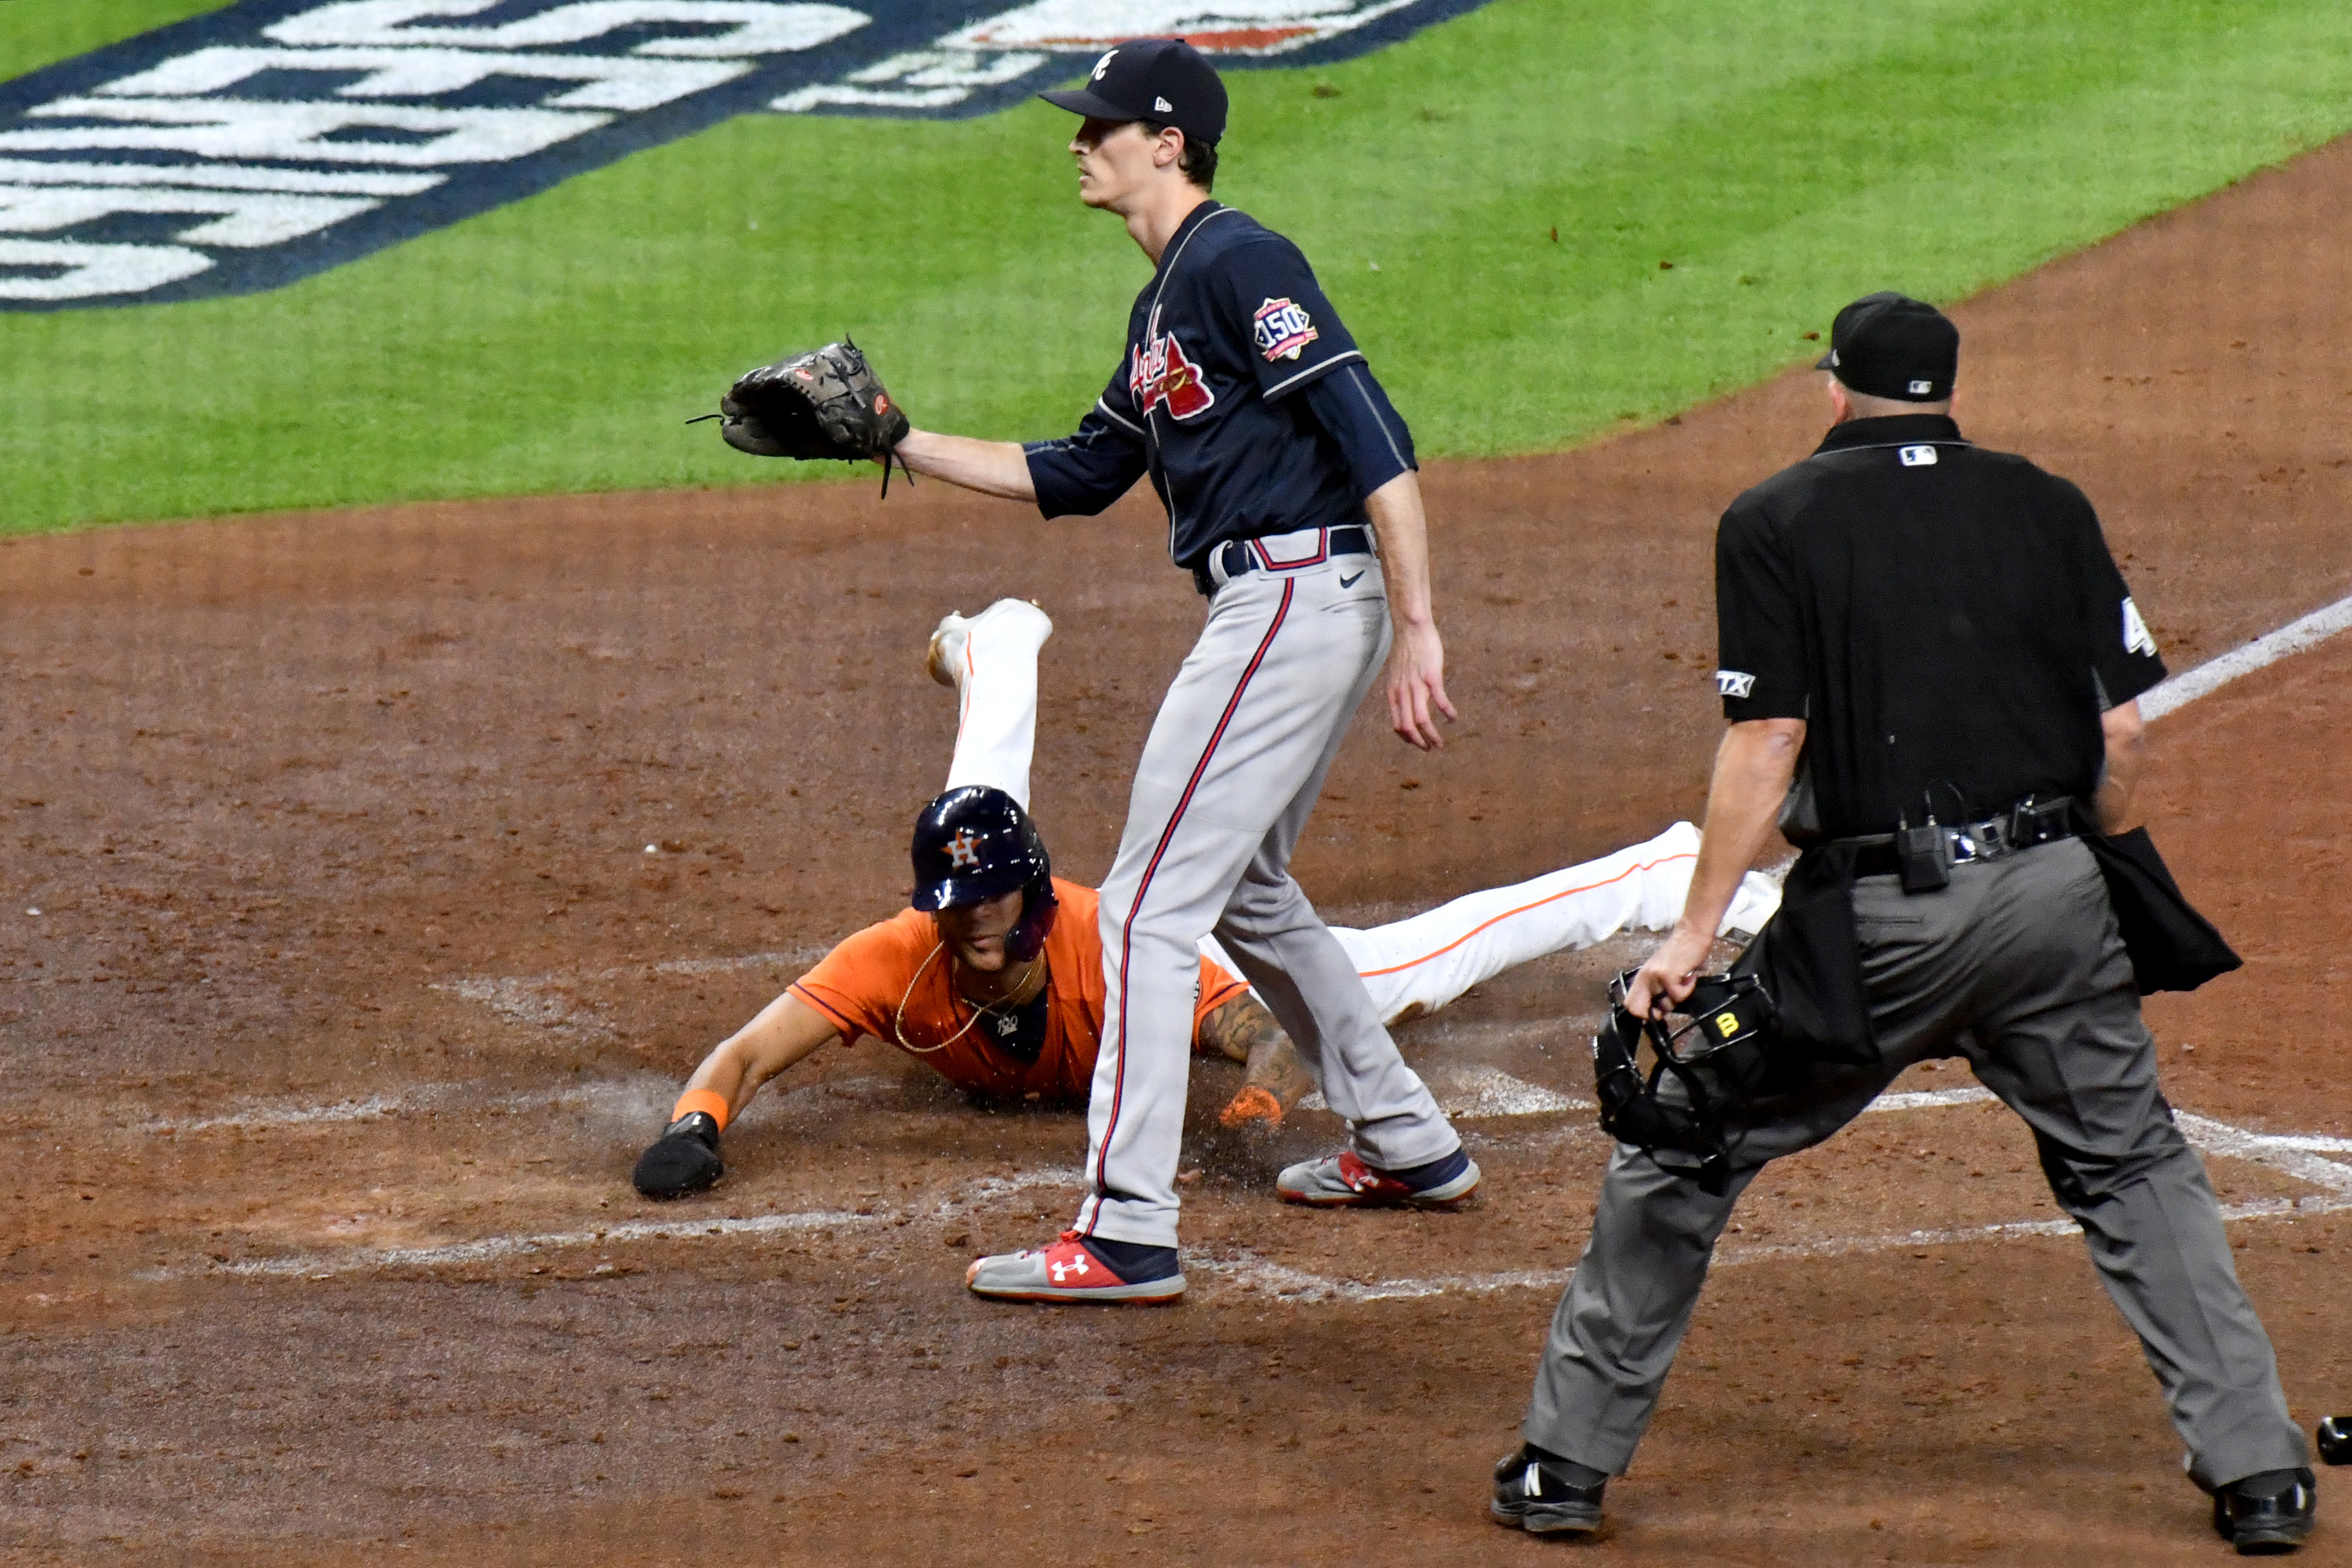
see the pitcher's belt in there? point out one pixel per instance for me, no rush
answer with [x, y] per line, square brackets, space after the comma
[2028, 822]
[1279, 552]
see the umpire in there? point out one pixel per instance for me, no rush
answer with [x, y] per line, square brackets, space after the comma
[1918, 634]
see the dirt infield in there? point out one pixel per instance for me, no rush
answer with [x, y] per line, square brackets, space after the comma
[353, 989]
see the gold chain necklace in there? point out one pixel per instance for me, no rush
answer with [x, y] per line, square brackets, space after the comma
[979, 1009]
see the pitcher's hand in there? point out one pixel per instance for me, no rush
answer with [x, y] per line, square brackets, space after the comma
[1416, 683]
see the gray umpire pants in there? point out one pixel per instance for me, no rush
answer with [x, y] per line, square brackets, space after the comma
[1228, 777]
[2017, 966]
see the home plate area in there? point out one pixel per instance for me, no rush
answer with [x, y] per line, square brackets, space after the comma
[860, 1161]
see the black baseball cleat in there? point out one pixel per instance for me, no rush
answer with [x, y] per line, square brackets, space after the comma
[2266, 1513]
[1543, 1495]
[2334, 1438]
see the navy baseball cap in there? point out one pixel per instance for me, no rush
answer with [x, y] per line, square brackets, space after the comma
[1891, 345]
[1165, 80]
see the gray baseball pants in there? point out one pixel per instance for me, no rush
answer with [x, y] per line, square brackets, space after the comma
[2017, 967]
[1230, 771]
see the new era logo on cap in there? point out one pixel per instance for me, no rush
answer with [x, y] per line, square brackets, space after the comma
[1162, 105]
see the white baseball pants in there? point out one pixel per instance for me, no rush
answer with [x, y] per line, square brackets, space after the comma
[1415, 966]
[1228, 777]
[995, 667]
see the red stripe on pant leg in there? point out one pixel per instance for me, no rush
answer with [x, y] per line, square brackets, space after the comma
[1151, 868]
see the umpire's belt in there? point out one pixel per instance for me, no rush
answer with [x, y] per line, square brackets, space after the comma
[1279, 552]
[2028, 822]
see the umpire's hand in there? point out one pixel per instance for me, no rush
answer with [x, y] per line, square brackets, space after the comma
[1666, 978]
[684, 1159]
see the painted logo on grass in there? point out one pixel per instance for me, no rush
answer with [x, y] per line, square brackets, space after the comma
[255, 145]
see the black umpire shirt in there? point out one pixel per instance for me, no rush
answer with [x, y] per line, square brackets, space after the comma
[1947, 620]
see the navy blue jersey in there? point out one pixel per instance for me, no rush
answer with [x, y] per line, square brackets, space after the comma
[1241, 395]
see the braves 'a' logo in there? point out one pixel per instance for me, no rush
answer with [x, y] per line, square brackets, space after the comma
[1158, 373]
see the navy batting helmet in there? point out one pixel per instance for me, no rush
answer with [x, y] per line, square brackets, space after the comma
[976, 843]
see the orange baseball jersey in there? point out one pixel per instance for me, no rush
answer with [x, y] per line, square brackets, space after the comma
[859, 986]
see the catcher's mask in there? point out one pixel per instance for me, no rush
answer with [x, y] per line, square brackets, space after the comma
[1718, 1054]
[974, 844]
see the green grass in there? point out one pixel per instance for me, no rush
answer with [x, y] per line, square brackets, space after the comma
[1785, 157]
[36, 33]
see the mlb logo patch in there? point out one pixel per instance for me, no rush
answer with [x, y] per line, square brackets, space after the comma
[1918, 456]
[1282, 330]
[1922, 389]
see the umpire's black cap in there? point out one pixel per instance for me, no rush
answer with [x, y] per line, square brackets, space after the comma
[1891, 345]
[1165, 80]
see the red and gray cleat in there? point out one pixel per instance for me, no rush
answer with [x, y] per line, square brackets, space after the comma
[1069, 1271]
[1343, 1180]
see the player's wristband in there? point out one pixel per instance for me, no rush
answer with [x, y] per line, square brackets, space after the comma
[709, 1101]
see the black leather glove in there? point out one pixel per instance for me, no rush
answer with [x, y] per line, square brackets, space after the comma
[683, 1160]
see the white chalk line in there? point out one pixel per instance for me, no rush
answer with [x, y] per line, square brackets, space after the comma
[2292, 1154]
[1926, 1098]
[323, 1267]
[2177, 693]
[1245, 1270]
[426, 1097]
[1469, 1092]
[320, 1265]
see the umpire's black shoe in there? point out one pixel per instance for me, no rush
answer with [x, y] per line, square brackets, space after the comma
[1543, 1495]
[2266, 1513]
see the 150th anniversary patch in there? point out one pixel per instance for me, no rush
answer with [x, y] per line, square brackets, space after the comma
[255, 145]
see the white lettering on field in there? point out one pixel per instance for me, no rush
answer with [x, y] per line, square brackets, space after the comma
[233, 128]
[217, 177]
[91, 270]
[611, 81]
[753, 26]
[245, 218]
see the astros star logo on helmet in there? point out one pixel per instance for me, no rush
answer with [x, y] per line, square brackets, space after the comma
[963, 849]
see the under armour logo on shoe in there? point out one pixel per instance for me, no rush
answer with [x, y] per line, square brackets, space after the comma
[964, 849]
[1076, 1266]
[1533, 1483]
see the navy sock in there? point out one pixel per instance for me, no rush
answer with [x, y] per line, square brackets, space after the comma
[1133, 1261]
[1436, 1173]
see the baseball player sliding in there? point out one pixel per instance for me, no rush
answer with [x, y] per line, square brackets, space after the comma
[993, 977]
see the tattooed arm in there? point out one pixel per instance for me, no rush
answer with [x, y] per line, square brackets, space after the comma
[1244, 1031]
